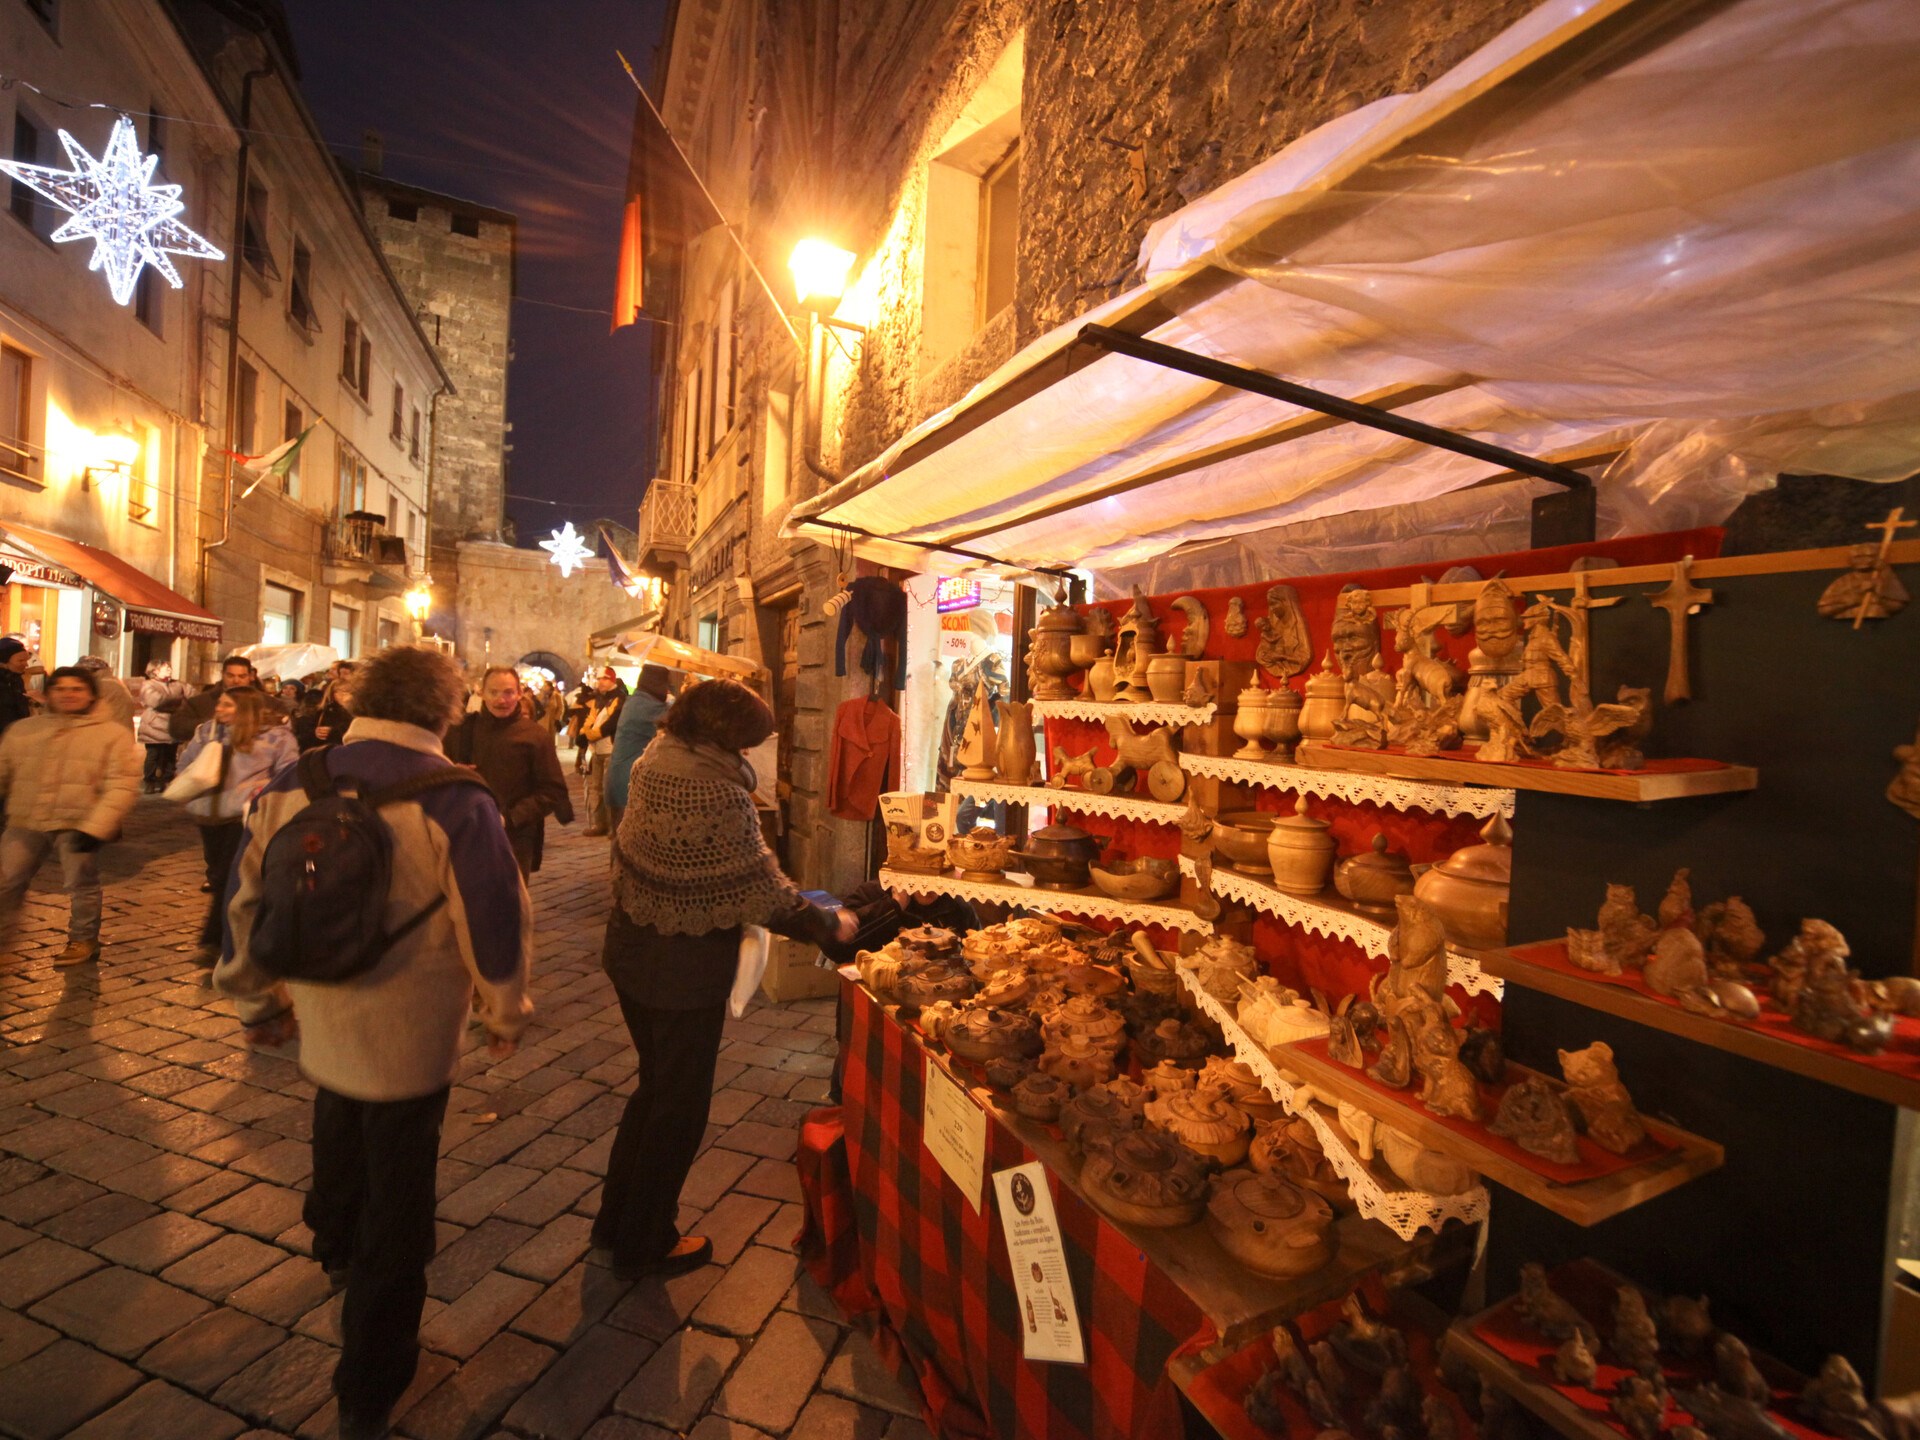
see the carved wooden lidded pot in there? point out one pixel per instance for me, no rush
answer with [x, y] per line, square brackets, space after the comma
[1469, 889]
[1145, 1177]
[1300, 851]
[1270, 1225]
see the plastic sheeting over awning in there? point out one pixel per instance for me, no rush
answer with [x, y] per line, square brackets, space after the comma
[649, 647]
[1677, 237]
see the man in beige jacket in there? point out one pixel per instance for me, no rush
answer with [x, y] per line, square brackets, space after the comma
[69, 776]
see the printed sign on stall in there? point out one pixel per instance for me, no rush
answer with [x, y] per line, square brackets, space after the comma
[955, 1130]
[1049, 1319]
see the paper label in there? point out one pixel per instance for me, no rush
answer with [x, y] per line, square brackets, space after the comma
[1049, 1319]
[955, 1130]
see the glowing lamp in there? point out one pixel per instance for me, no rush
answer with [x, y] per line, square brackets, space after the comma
[419, 600]
[820, 273]
[112, 450]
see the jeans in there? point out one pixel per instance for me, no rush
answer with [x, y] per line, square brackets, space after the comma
[660, 1132]
[21, 854]
[371, 1213]
[219, 844]
[596, 793]
[159, 767]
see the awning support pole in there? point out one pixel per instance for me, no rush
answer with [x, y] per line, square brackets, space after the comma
[1258, 382]
[845, 528]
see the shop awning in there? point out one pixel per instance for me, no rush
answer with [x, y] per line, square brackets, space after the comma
[1679, 239]
[649, 647]
[150, 606]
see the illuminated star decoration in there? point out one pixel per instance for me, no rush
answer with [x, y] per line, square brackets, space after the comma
[568, 550]
[130, 220]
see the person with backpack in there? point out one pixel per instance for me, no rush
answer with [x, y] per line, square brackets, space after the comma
[253, 749]
[374, 894]
[68, 778]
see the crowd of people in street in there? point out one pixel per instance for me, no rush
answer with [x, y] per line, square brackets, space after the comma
[367, 843]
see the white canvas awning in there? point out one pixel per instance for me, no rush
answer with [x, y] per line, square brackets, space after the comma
[1679, 239]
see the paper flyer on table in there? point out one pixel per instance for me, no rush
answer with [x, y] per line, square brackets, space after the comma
[955, 1130]
[1049, 1319]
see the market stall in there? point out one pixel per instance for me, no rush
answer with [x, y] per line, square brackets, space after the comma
[1453, 839]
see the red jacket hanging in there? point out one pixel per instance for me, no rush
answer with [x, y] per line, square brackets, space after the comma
[864, 759]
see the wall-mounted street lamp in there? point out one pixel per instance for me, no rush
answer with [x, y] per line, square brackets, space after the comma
[820, 272]
[419, 601]
[113, 451]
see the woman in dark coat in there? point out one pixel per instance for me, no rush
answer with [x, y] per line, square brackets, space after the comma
[515, 756]
[691, 869]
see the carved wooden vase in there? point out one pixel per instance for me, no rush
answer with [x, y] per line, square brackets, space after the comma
[1015, 756]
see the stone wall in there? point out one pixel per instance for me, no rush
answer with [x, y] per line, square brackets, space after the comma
[524, 600]
[462, 286]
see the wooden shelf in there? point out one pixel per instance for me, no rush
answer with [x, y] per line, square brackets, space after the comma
[1463, 797]
[1585, 1202]
[1145, 712]
[1082, 802]
[1240, 1304]
[1734, 1036]
[1531, 1391]
[1028, 896]
[1639, 786]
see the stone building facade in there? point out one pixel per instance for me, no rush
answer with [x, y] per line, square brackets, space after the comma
[993, 166]
[455, 261]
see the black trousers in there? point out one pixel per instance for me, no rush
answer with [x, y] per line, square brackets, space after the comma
[371, 1211]
[159, 768]
[660, 1132]
[219, 844]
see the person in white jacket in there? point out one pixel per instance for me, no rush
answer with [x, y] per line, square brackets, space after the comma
[256, 749]
[69, 777]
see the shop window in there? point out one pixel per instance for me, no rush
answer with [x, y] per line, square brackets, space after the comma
[300, 290]
[343, 630]
[22, 203]
[293, 421]
[397, 427]
[18, 454]
[389, 635]
[279, 614]
[468, 225]
[404, 210]
[256, 246]
[246, 399]
[969, 266]
[708, 635]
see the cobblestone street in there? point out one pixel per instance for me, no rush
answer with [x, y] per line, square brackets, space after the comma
[154, 1276]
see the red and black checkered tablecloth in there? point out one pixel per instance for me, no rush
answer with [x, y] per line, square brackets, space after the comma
[937, 1277]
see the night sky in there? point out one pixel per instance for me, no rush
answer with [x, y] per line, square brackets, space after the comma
[520, 105]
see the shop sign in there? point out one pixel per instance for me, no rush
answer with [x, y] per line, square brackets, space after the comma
[24, 568]
[1050, 1319]
[956, 595]
[715, 564]
[149, 624]
[954, 1130]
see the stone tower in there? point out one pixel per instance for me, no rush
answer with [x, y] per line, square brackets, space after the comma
[455, 261]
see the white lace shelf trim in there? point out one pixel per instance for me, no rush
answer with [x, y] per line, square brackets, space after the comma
[1480, 801]
[1150, 712]
[1405, 1212]
[1309, 914]
[1070, 902]
[1085, 802]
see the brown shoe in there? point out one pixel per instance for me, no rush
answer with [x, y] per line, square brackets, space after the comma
[79, 952]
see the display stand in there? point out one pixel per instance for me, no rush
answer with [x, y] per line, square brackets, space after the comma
[1661, 780]
[1469, 797]
[1024, 894]
[1085, 802]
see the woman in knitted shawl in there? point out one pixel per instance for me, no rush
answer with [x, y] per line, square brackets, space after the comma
[691, 869]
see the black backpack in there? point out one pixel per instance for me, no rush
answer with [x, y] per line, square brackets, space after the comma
[324, 878]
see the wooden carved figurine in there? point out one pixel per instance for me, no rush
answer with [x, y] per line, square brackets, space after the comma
[1154, 754]
[1355, 636]
[1447, 1084]
[1236, 617]
[1494, 659]
[1394, 1068]
[1284, 647]
[1623, 939]
[1641, 1405]
[979, 744]
[1680, 599]
[1427, 677]
[1534, 1118]
[1836, 1401]
[1678, 967]
[1135, 642]
[1730, 935]
[1066, 767]
[1573, 1362]
[1597, 1096]
[1193, 639]
[1734, 1371]
[1869, 590]
[1416, 957]
[1904, 789]
[1636, 1344]
[1815, 986]
[1686, 1326]
[1551, 1317]
[1725, 1416]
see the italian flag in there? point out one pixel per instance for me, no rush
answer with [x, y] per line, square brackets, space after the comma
[275, 462]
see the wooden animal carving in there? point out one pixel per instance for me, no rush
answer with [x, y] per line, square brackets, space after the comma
[1066, 767]
[1142, 752]
[1424, 671]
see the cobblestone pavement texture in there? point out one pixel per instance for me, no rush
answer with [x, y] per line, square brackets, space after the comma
[155, 1279]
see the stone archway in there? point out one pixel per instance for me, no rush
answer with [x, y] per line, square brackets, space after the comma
[567, 675]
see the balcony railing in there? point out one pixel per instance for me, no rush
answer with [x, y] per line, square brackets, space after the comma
[359, 538]
[666, 523]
